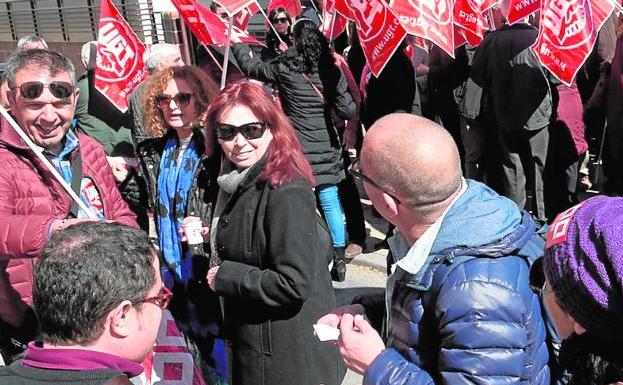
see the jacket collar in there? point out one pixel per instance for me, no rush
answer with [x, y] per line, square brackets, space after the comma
[480, 223]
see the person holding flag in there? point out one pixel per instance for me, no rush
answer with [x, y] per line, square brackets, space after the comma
[310, 87]
[279, 42]
[33, 204]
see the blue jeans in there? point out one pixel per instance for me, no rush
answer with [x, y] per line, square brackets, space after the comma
[333, 213]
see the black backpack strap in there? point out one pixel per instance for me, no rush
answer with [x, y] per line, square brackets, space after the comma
[76, 181]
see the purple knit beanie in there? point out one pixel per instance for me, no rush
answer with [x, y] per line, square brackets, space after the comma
[584, 265]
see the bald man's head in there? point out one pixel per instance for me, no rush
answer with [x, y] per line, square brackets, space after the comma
[414, 158]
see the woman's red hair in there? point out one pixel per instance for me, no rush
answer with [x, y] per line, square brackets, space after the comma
[285, 161]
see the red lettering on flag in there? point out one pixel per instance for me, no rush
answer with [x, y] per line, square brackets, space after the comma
[119, 63]
[568, 31]
[428, 19]
[379, 30]
[519, 9]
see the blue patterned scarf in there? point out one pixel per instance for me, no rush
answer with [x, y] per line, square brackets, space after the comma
[174, 182]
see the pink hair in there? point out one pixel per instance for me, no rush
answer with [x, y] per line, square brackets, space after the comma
[285, 159]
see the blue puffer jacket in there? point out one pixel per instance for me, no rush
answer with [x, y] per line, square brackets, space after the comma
[469, 316]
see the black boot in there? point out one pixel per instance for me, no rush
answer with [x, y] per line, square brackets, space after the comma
[338, 272]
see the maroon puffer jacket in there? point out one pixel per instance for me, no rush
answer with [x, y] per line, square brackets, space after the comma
[30, 199]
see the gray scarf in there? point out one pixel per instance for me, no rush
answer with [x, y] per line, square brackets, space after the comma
[229, 180]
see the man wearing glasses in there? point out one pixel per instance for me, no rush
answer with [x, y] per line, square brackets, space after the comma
[33, 205]
[460, 306]
[99, 297]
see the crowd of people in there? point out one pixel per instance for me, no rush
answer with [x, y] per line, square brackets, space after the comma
[466, 158]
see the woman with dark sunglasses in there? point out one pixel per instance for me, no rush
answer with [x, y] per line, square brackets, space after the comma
[180, 170]
[270, 249]
[581, 283]
[310, 88]
[277, 43]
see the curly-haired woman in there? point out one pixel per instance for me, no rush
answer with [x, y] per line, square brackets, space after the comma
[311, 86]
[180, 170]
[269, 246]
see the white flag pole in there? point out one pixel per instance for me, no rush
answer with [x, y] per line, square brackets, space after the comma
[226, 56]
[332, 26]
[47, 163]
[212, 56]
[271, 25]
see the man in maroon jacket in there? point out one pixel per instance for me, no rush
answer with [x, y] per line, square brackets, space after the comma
[33, 205]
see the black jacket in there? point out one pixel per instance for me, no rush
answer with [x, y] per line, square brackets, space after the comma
[515, 87]
[393, 91]
[310, 116]
[275, 283]
[202, 196]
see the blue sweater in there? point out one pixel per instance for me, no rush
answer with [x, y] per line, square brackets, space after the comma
[469, 316]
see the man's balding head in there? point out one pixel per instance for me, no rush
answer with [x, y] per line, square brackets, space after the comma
[414, 158]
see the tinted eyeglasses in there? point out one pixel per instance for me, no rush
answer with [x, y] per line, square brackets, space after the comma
[181, 100]
[250, 131]
[355, 170]
[59, 89]
[161, 300]
[280, 20]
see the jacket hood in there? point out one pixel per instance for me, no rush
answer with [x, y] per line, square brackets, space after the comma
[485, 222]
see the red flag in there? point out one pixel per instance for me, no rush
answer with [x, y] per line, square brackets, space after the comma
[217, 27]
[119, 64]
[189, 14]
[293, 7]
[468, 15]
[568, 31]
[459, 37]
[379, 30]
[242, 18]
[429, 19]
[234, 6]
[330, 28]
[519, 9]
[341, 7]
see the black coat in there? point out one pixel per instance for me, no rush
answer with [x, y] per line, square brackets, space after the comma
[275, 284]
[310, 116]
[202, 196]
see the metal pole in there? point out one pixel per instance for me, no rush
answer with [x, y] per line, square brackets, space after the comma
[226, 56]
[271, 25]
[332, 26]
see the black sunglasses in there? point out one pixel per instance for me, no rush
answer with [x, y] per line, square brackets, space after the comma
[253, 130]
[280, 20]
[355, 170]
[181, 100]
[59, 89]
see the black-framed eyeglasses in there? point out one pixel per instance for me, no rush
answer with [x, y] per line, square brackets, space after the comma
[59, 89]
[355, 170]
[161, 300]
[181, 100]
[253, 130]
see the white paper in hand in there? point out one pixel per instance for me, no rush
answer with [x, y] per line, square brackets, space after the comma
[326, 332]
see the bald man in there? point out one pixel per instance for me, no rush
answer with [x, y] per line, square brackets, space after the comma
[460, 306]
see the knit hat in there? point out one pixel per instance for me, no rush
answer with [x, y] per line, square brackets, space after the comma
[584, 265]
